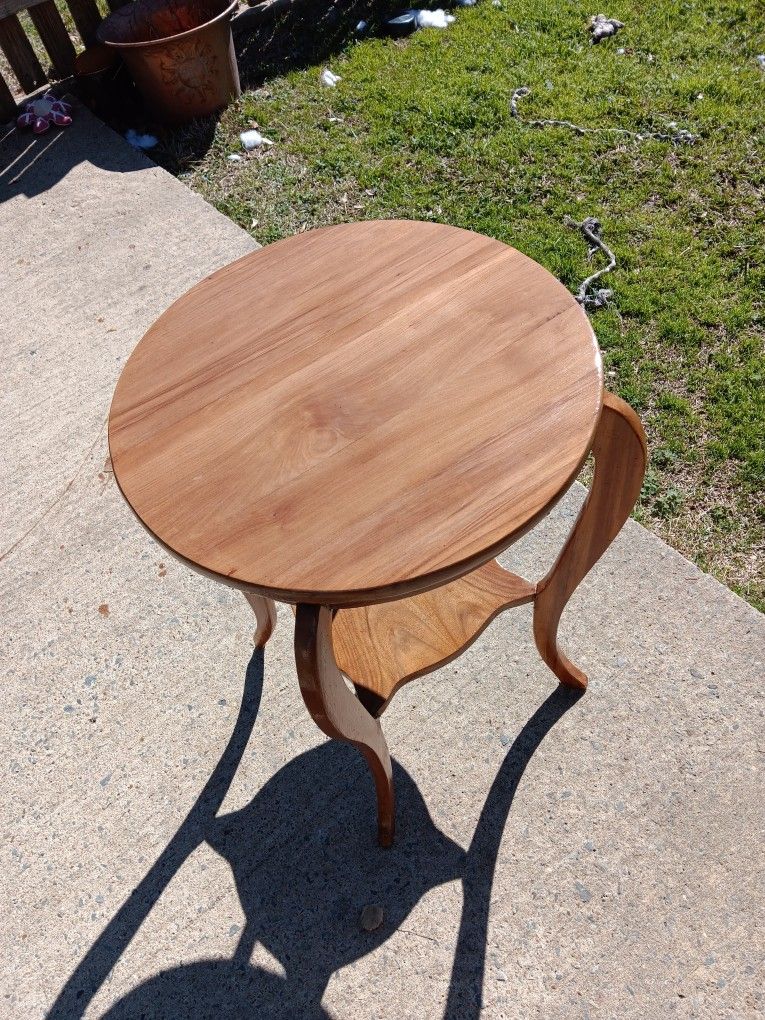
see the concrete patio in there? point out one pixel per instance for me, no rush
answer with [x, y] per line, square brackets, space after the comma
[557, 857]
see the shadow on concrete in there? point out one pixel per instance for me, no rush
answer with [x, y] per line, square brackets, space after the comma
[464, 1000]
[305, 863]
[32, 164]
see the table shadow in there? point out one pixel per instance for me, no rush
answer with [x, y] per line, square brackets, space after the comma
[305, 863]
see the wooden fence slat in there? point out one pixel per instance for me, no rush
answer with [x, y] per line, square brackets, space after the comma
[259, 12]
[7, 102]
[55, 37]
[20, 54]
[86, 17]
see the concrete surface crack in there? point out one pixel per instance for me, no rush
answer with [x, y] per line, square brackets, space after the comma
[58, 498]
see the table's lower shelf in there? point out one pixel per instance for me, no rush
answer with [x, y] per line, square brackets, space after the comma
[382, 646]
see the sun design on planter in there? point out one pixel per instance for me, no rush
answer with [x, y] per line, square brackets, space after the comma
[190, 70]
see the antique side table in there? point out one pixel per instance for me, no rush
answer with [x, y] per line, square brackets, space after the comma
[356, 421]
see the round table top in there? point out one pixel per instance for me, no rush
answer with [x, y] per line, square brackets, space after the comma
[357, 413]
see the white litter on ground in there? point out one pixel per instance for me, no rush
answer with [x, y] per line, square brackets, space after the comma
[434, 19]
[329, 79]
[254, 139]
[234, 157]
[139, 141]
[678, 136]
[761, 60]
[602, 27]
[588, 296]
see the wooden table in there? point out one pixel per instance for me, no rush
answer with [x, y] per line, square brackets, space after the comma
[356, 421]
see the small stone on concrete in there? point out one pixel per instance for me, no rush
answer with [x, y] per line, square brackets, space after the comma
[584, 893]
[696, 673]
[372, 917]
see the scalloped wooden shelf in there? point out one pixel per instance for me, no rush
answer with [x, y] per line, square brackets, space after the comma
[381, 647]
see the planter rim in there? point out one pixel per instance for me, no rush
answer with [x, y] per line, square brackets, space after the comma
[165, 38]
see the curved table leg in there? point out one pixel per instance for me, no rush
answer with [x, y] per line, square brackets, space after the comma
[620, 461]
[265, 617]
[335, 708]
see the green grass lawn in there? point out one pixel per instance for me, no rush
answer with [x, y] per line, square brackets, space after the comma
[421, 128]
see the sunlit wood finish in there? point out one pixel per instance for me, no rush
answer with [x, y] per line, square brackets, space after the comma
[265, 617]
[620, 460]
[357, 413]
[382, 647]
[336, 709]
[356, 421]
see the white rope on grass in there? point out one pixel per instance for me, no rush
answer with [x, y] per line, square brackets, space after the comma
[589, 296]
[678, 136]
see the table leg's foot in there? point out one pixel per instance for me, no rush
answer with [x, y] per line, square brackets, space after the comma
[265, 616]
[336, 709]
[620, 461]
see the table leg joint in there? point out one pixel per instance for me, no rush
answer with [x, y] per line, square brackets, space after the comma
[265, 617]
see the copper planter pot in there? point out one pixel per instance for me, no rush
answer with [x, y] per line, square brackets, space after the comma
[179, 52]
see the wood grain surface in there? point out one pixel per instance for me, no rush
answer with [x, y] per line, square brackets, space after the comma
[20, 55]
[50, 26]
[265, 617]
[357, 413]
[337, 711]
[382, 647]
[621, 455]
